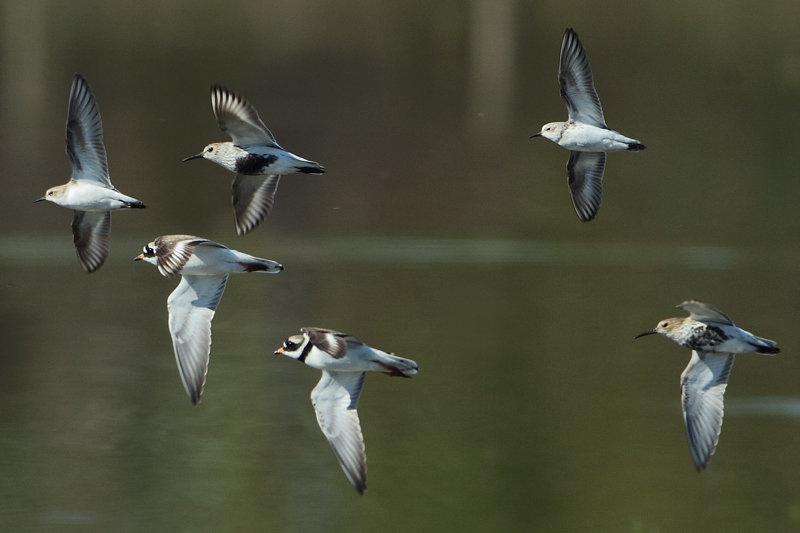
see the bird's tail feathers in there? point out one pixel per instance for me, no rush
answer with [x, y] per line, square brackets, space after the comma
[311, 168]
[398, 366]
[263, 266]
[766, 346]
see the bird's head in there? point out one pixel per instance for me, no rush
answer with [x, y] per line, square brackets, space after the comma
[551, 131]
[148, 254]
[293, 346]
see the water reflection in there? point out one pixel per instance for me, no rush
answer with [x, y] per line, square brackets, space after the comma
[789, 407]
[466, 251]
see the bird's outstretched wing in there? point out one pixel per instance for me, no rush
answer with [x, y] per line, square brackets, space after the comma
[577, 85]
[239, 119]
[85, 136]
[585, 171]
[253, 198]
[335, 399]
[706, 313]
[90, 233]
[703, 384]
[191, 307]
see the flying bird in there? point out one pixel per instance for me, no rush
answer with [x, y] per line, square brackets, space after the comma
[89, 191]
[204, 267]
[585, 134]
[344, 361]
[714, 341]
[254, 155]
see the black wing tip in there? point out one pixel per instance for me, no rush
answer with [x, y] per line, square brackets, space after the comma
[244, 228]
[221, 93]
[699, 467]
[91, 269]
[195, 394]
[79, 82]
[358, 481]
[586, 212]
[571, 35]
[91, 265]
[636, 147]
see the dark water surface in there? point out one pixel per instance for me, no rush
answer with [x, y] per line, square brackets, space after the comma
[439, 232]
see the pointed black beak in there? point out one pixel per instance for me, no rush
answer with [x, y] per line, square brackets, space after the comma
[535, 135]
[139, 257]
[651, 332]
[192, 157]
[40, 199]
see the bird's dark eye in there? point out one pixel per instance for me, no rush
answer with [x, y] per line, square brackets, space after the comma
[50, 193]
[663, 324]
[210, 149]
[290, 345]
[148, 251]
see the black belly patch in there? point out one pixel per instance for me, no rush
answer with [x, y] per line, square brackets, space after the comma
[254, 164]
[708, 337]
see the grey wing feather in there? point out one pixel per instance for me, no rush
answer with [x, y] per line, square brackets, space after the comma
[585, 171]
[335, 399]
[253, 198]
[707, 313]
[85, 136]
[577, 84]
[239, 119]
[703, 384]
[90, 233]
[191, 307]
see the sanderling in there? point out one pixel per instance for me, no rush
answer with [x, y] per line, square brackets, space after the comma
[254, 156]
[585, 134]
[714, 341]
[204, 267]
[89, 191]
[344, 361]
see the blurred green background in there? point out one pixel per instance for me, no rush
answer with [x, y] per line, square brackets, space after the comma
[439, 232]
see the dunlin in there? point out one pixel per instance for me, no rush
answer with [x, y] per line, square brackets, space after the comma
[204, 267]
[89, 192]
[344, 361]
[714, 341]
[585, 134]
[254, 156]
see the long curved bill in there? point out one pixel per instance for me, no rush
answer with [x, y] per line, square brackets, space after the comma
[192, 157]
[651, 332]
[40, 199]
